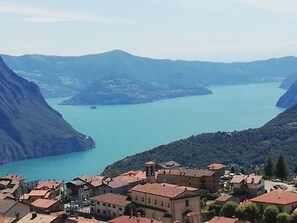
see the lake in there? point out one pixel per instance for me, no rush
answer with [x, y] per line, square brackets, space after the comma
[122, 130]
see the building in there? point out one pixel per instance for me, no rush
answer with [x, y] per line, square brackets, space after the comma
[11, 184]
[207, 180]
[55, 187]
[221, 200]
[285, 201]
[168, 165]
[13, 209]
[39, 218]
[248, 186]
[46, 206]
[167, 202]
[109, 205]
[37, 194]
[217, 167]
[133, 219]
[217, 219]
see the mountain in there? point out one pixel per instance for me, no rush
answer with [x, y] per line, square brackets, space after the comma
[245, 148]
[67, 76]
[29, 127]
[125, 91]
[289, 98]
[289, 81]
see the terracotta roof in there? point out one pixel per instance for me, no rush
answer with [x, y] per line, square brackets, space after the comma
[222, 220]
[7, 219]
[245, 202]
[40, 218]
[114, 199]
[44, 203]
[250, 179]
[216, 166]
[150, 163]
[48, 185]
[280, 197]
[134, 175]
[38, 192]
[84, 220]
[5, 205]
[128, 219]
[165, 190]
[187, 172]
[224, 198]
[4, 196]
[14, 177]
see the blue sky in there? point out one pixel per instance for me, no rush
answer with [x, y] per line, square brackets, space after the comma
[214, 30]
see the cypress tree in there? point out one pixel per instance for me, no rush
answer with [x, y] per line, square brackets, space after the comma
[268, 168]
[281, 169]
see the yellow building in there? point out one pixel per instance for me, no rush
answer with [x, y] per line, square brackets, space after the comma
[167, 202]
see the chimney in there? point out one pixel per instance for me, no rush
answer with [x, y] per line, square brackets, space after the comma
[34, 215]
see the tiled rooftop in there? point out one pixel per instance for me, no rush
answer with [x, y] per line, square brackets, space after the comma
[44, 203]
[250, 179]
[128, 219]
[280, 197]
[216, 166]
[165, 190]
[40, 218]
[114, 199]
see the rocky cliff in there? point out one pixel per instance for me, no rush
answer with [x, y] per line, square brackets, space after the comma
[29, 127]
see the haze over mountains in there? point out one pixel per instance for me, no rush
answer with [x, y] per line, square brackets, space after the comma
[117, 77]
[29, 127]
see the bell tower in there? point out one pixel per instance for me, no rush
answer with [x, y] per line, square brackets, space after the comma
[150, 172]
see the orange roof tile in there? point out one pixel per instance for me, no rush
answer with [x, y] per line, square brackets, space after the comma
[250, 179]
[216, 166]
[128, 219]
[85, 220]
[40, 218]
[280, 197]
[14, 177]
[4, 196]
[224, 198]
[48, 185]
[245, 202]
[7, 219]
[187, 172]
[44, 203]
[217, 219]
[38, 193]
[165, 190]
[114, 199]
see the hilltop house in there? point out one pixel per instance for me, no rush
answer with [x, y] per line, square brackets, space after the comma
[248, 186]
[167, 202]
[285, 201]
[207, 180]
[108, 205]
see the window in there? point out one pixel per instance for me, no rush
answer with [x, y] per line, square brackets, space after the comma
[98, 211]
[113, 206]
[168, 205]
[92, 202]
[156, 201]
[136, 197]
[162, 203]
[104, 204]
[108, 205]
[120, 209]
[142, 199]
[149, 200]
[98, 202]
[187, 203]
[104, 212]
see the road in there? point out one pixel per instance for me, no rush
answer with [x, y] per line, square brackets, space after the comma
[269, 184]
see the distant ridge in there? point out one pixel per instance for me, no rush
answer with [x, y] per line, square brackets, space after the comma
[29, 127]
[78, 76]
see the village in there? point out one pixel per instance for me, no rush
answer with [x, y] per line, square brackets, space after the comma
[160, 192]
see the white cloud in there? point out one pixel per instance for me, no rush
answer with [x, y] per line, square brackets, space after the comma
[35, 14]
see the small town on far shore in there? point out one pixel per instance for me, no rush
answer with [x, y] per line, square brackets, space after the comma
[159, 193]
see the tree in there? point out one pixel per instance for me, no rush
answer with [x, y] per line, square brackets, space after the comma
[281, 169]
[293, 217]
[130, 209]
[270, 214]
[232, 170]
[295, 170]
[242, 170]
[228, 209]
[282, 218]
[239, 212]
[215, 208]
[251, 212]
[268, 168]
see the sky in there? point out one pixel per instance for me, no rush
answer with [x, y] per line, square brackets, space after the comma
[208, 30]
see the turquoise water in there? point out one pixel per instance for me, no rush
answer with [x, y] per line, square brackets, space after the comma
[121, 130]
